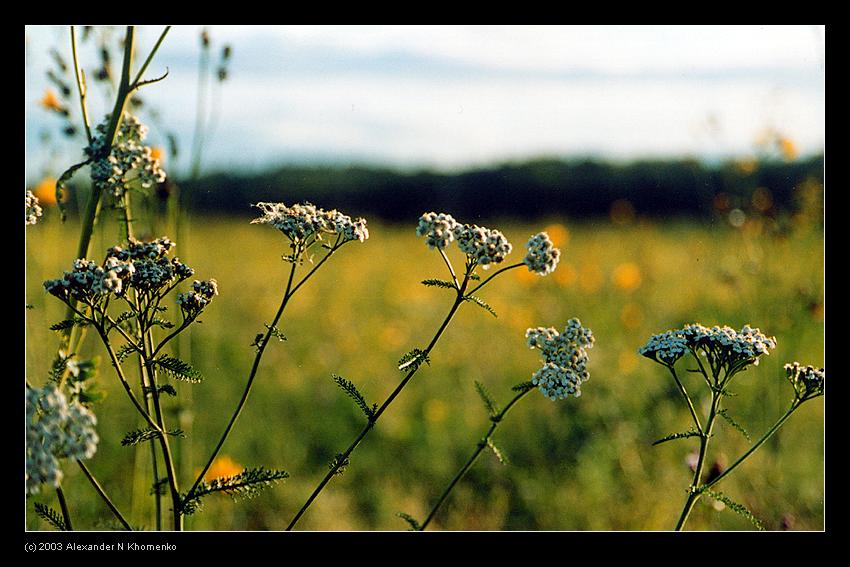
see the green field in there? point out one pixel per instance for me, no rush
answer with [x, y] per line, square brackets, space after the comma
[578, 464]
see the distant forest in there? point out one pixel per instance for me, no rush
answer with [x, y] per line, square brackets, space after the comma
[517, 190]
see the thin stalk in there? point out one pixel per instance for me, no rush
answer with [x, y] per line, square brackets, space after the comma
[695, 489]
[147, 62]
[494, 274]
[81, 85]
[687, 398]
[103, 495]
[757, 444]
[496, 419]
[170, 471]
[343, 457]
[66, 515]
[146, 391]
[261, 347]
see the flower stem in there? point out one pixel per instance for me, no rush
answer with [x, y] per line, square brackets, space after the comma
[261, 347]
[796, 404]
[103, 495]
[66, 515]
[695, 490]
[496, 419]
[343, 457]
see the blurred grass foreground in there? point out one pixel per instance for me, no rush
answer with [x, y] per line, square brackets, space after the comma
[578, 464]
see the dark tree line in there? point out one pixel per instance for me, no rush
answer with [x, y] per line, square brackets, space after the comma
[523, 190]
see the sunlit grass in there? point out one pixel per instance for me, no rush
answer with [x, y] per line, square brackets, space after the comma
[575, 465]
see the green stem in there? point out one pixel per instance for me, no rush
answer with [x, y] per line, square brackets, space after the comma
[695, 490]
[104, 496]
[479, 448]
[343, 457]
[81, 85]
[687, 398]
[66, 515]
[494, 274]
[261, 347]
[796, 404]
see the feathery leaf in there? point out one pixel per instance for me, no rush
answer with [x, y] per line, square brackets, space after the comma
[178, 369]
[725, 415]
[50, 516]
[414, 525]
[246, 484]
[681, 435]
[434, 282]
[480, 302]
[413, 360]
[498, 452]
[349, 388]
[489, 402]
[736, 507]
[146, 434]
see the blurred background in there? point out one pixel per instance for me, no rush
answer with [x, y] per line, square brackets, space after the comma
[679, 168]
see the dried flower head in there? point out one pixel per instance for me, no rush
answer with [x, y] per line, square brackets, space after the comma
[542, 256]
[126, 161]
[565, 359]
[299, 222]
[437, 228]
[483, 245]
[56, 429]
[32, 209]
[193, 302]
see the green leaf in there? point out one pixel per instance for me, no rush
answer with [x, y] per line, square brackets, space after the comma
[146, 434]
[178, 369]
[489, 402]
[339, 463]
[164, 389]
[498, 452]
[413, 360]
[524, 386]
[162, 323]
[68, 323]
[275, 332]
[51, 516]
[126, 350]
[246, 484]
[414, 525]
[682, 435]
[433, 282]
[736, 507]
[480, 302]
[349, 388]
[725, 415]
[62, 182]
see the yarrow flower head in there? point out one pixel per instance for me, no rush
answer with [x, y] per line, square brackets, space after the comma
[484, 245]
[193, 302]
[724, 347]
[301, 221]
[32, 209]
[126, 161]
[56, 429]
[141, 265]
[542, 256]
[437, 228]
[565, 359]
[808, 381]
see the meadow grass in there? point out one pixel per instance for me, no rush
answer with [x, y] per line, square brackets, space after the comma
[579, 464]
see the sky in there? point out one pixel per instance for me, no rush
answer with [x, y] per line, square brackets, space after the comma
[453, 97]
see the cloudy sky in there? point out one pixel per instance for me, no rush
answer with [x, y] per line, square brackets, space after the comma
[452, 97]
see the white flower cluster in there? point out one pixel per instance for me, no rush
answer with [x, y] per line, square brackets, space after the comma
[437, 228]
[127, 161]
[193, 302]
[300, 221]
[484, 245]
[56, 429]
[565, 359]
[724, 345]
[808, 381]
[542, 256]
[142, 265]
[32, 210]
